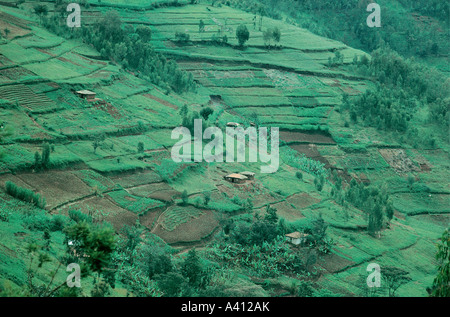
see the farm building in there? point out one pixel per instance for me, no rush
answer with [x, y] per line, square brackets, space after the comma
[235, 178]
[249, 175]
[296, 237]
[233, 124]
[86, 94]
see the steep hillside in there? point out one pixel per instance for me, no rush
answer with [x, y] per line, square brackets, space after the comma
[108, 160]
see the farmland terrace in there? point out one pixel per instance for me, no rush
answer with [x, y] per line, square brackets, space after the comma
[97, 166]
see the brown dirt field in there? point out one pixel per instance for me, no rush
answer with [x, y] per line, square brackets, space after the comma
[302, 200]
[135, 179]
[398, 160]
[15, 73]
[310, 150]
[191, 231]
[333, 262]
[303, 137]
[56, 186]
[110, 109]
[148, 220]
[16, 180]
[116, 215]
[164, 195]
[285, 210]
[14, 29]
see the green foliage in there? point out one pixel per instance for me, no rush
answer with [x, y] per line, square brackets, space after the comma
[206, 112]
[265, 260]
[394, 278]
[182, 37]
[441, 283]
[25, 194]
[140, 147]
[242, 34]
[97, 243]
[132, 50]
[184, 197]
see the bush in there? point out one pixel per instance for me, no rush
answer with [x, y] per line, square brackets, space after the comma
[25, 194]
[78, 216]
[4, 215]
[58, 222]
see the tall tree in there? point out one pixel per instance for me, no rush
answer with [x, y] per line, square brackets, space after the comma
[242, 34]
[394, 277]
[41, 10]
[441, 283]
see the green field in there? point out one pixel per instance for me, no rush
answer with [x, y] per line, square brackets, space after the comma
[109, 160]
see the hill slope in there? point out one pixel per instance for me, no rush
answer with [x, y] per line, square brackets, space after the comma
[111, 160]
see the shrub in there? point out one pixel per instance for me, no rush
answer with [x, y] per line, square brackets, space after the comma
[58, 222]
[25, 194]
[4, 215]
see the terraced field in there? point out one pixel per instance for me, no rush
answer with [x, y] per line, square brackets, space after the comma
[98, 167]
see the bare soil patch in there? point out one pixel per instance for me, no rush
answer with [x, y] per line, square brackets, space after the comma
[398, 160]
[107, 210]
[306, 137]
[310, 150]
[333, 263]
[57, 187]
[192, 231]
[302, 200]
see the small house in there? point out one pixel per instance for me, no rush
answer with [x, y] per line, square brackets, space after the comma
[249, 175]
[233, 124]
[235, 178]
[296, 237]
[86, 94]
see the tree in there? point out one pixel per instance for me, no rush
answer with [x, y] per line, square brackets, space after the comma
[182, 37]
[276, 34]
[441, 283]
[271, 215]
[45, 155]
[305, 289]
[193, 270]
[242, 34]
[267, 36]
[7, 31]
[206, 112]
[140, 147]
[41, 10]
[184, 197]
[145, 33]
[375, 219]
[171, 284]
[201, 26]
[37, 160]
[394, 278]
[156, 261]
[207, 198]
[96, 243]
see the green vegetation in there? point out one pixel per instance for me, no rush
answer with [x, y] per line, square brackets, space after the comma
[363, 175]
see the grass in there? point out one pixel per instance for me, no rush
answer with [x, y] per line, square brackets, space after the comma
[135, 204]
